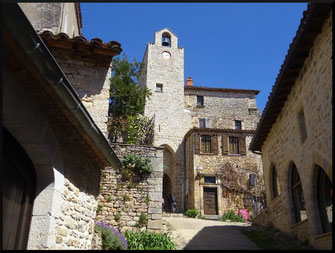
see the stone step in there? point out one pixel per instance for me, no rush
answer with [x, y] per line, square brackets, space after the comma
[212, 217]
[172, 215]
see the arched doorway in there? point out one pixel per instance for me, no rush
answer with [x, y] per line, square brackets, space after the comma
[19, 186]
[166, 191]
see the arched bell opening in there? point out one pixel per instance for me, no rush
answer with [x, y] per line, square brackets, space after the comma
[166, 39]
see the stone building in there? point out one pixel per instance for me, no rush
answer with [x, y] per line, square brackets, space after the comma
[53, 150]
[294, 135]
[181, 114]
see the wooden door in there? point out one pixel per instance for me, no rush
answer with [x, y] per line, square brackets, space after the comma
[18, 191]
[210, 201]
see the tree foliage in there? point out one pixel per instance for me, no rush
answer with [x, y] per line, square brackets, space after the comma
[127, 98]
[127, 101]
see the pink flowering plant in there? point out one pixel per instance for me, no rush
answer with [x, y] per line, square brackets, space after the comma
[111, 237]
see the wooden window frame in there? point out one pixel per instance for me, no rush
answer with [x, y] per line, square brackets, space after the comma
[233, 146]
[206, 147]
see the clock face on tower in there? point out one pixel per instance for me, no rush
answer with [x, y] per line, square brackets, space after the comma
[166, 55]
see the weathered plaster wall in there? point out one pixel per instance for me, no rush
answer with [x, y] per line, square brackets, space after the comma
[312, 92]
[145, 197]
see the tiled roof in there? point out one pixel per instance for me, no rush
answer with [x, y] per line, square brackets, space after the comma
[62, 40]
[201, 88]
[217, 130]
[310, 26]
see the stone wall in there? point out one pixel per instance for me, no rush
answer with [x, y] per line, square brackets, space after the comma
[129, 201]
[312, 92]
[214, 165]
[223, 108]
[90, 77]
[67, 168]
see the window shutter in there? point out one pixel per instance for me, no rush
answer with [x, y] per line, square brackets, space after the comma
[214, 144]
[224, 144]
[243, 150]
[207, 123]
[197, 144]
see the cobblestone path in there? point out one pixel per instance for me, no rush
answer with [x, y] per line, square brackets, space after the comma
[198, 234]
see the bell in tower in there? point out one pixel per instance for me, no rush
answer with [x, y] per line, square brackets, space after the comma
[166, 39]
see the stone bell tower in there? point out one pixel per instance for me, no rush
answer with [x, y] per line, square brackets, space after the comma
[163, 74]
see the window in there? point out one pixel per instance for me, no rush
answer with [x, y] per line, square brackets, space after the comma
[252, 179]
[274, 183]
[299, 208]
[302, 125]
[210, 180]
[205, 144]
[234, 145]
[204, 123]
[324, 200]
[238, 124]
[200, 100]
[159, 87]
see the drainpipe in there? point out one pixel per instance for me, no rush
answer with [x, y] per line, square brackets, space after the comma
[25, 37]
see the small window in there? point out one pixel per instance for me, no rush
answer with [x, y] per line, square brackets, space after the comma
[302, 124]
[238, 124]
[210, 180]
[205, 144]
[252, 179]
[274, 183]
[204, 123]
[159, 87]
[200, 100]
[299, 207]
[234, 145]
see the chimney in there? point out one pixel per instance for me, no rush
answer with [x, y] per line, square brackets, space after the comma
[189, 81]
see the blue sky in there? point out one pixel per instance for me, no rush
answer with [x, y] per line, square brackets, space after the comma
[226, 45]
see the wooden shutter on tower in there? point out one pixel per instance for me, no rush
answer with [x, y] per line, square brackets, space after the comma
[214, 144]
[197, 144]
[243, 150]
[224, 144]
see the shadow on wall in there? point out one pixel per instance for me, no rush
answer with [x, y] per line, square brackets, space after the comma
[220, 238]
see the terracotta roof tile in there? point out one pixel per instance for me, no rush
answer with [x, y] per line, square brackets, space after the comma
[111, 48]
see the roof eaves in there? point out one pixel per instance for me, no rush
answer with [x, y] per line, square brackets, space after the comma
[285, 80]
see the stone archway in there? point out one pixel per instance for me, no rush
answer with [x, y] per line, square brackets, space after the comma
[169, 174]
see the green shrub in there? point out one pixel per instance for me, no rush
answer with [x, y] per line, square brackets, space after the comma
[117, 217]
[230, 215]
[192, 212]
[109, 198]
[111, 238]
[149, 241]
[137, 164]
[143, 219]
